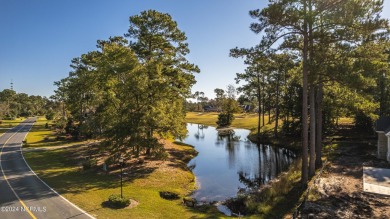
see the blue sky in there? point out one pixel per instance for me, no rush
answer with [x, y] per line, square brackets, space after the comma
[39, 38]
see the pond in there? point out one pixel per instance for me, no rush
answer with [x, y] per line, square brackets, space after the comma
[231, 164]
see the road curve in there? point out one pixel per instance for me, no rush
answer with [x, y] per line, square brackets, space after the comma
[22, 193]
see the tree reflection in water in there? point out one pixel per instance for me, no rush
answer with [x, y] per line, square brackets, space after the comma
[225, 164]
[272, 161]
[199, 134]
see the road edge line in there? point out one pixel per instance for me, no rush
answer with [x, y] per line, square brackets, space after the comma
[5, 177]
[77, 207]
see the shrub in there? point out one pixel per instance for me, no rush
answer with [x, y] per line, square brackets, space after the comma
[88, 164]
[169, 195]
[225, 119]
[118, 202]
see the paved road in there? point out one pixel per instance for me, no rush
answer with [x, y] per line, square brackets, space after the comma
[22, 193]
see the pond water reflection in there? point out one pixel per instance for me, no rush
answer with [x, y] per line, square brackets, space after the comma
[227, 165]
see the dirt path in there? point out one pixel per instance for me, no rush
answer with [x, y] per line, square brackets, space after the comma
[338, 193]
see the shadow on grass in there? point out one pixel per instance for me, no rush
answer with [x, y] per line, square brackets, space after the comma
[138, 171]
[181, 155]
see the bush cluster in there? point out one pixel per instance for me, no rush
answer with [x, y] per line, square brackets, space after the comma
[225, 119]
[118, 202]
[169, 195]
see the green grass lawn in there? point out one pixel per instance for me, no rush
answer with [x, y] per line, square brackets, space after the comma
[61, 169]
[6, 125]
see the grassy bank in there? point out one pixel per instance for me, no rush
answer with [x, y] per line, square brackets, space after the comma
[61, 168]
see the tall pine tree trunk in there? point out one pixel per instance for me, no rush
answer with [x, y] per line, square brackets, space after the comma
[263, 113]
[276, 110]
[269, 107]
[312, 95]
[259, 103]
[312, 132]
[319, 113]
[305, 127]
[319, 125]
[263, 100]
